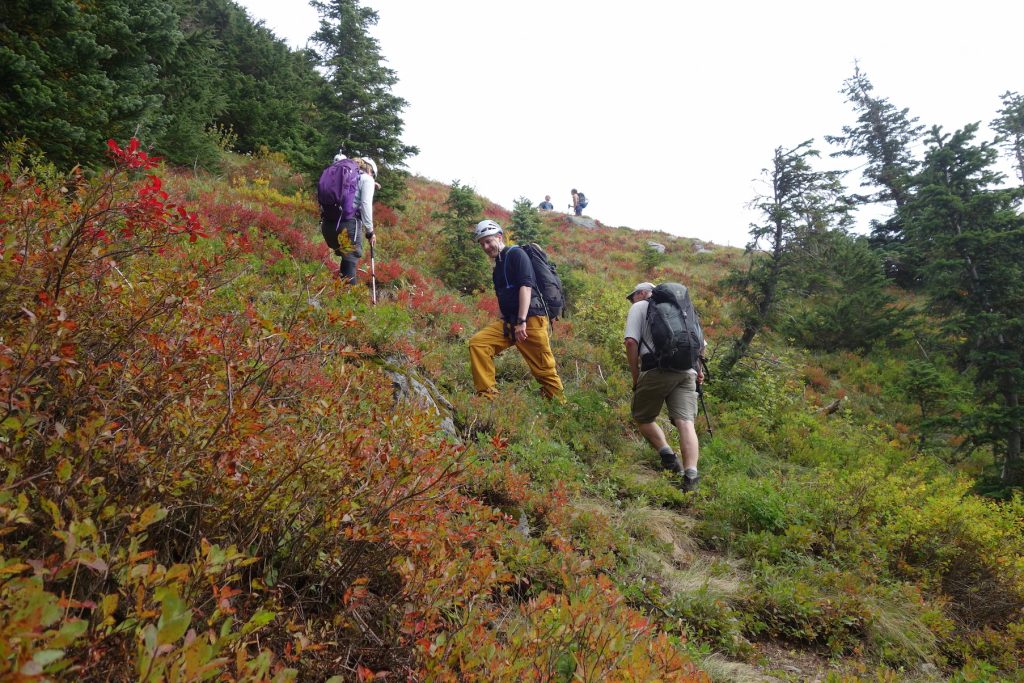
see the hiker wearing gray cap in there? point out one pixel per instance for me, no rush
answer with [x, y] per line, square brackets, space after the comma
[656, 384]
[644, 288]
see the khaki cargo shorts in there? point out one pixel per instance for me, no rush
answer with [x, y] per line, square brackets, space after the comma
[657, 387]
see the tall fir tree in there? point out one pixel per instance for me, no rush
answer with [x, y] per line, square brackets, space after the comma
[361, 114]
[883, 136]
[970, 239]
[801, 202]
[1010, 126]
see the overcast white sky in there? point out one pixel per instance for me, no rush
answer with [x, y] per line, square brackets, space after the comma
[664, 113]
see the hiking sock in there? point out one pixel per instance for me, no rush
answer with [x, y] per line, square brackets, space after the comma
[691, 472]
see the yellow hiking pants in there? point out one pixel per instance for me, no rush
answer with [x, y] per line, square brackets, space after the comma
[536, 351]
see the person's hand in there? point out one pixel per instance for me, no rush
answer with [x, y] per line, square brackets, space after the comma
[373, 238]
[520, 330]
[700, 376]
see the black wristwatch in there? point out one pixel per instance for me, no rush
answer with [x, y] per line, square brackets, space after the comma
[520, 321]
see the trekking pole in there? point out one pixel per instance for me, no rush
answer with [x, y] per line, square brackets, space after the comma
[373, 276]
[700, 395]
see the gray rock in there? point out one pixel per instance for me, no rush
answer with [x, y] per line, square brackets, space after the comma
[409, 387]
[524, 524]
[582, 221]
[699, 247]
[657, 246]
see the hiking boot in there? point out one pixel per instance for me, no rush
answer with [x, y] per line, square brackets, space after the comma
[670, 463]
[690, 482]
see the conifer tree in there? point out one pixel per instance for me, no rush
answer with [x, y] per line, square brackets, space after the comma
[1010, 126]
[651, 258]
[74, 74]
[191, 87]
[941, 399]
[360, 112]
[840, 299]
[525, 225]
[270, 91]
[883, 136]
[970, 238]
[801, 202]
[465, 265]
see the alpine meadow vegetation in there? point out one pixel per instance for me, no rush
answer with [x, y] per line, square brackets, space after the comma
[220, 463]
[208, 472]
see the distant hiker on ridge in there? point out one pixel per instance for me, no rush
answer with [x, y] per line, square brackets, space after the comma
[579, 202]
[524, 322]
[546, 205]
[345, 193]
[666, 370]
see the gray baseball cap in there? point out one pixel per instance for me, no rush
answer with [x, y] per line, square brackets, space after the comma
[642, 287]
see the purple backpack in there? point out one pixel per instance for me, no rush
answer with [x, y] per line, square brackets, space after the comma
[338, 186]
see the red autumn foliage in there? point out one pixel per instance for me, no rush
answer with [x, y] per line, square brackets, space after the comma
[384, 216]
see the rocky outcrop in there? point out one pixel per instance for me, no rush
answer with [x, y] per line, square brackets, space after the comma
[582, 221]
[411, 388]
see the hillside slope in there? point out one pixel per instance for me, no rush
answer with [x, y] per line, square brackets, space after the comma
[208, 472]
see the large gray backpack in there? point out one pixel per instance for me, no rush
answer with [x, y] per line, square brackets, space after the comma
[675, 329]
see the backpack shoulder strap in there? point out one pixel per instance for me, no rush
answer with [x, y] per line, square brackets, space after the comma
[504, 263]
[646, 326]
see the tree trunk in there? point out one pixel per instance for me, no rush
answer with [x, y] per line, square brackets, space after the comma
[739, 347]
[757, 321]
[1013, 467]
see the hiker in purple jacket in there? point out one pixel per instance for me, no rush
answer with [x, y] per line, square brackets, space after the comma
[362, 224]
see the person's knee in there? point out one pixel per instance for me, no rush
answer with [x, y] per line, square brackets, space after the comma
[478, 343]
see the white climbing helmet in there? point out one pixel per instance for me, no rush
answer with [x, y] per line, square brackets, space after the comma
[369, 162]
[486, 228]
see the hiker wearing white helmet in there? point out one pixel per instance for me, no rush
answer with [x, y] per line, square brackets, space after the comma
[362, 224]
[524, 322]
